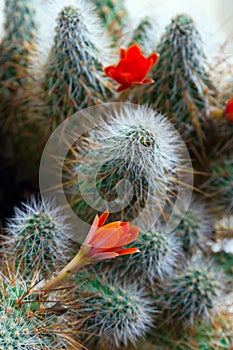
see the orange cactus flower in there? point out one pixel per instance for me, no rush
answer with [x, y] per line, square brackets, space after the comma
[229, 110]
[132, 67]
[102, 242]
[105, 242]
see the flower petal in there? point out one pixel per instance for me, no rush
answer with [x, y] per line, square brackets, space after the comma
[114, 224]
[103, 218]
[229, 106]
[103, 256]
[148, 81]
[128, 237]
[127, 251]
[153, 58]
[123, 87]
[92, 231]
[133, 51]
[122, 53]
[110, 71]
[106, 238]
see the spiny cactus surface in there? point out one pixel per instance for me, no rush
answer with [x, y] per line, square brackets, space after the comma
[74, 76]
[121, 314]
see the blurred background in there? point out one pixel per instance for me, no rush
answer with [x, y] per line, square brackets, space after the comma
[214, 16]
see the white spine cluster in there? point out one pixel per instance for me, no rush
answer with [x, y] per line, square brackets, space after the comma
[35, 239]
[135, 144]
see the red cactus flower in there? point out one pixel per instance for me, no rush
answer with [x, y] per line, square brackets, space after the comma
[105, 242]
[229, 110]
[132, 67]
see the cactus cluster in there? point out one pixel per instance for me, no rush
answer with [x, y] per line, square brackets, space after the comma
[127, 160]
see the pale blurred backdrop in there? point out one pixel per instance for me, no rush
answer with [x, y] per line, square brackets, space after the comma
[214, 18]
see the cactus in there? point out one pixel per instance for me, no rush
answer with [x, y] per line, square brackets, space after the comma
[74, 73]
[113, 14]
[121, 314]
[144, 35]
[183, 88]
[31, 321]
[22, 325]
[158, 255]
[34, 240]
[221, 184]
[195, 227]
[225, 262]
[203, 335]
[18, 45]
[138, 145]
[193, 293]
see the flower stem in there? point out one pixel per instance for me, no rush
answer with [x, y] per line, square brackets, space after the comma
[72, 267]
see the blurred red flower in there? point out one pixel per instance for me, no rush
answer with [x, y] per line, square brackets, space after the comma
[229, 110]
[132, 67]
[105, 242]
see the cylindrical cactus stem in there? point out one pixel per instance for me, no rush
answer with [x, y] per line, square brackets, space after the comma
[30, 321]
[18, 44]
[114, 16]
[17, 50]
[74, 77]
[22, 325]
[144, 35]
[219, 186]
[183, 88]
